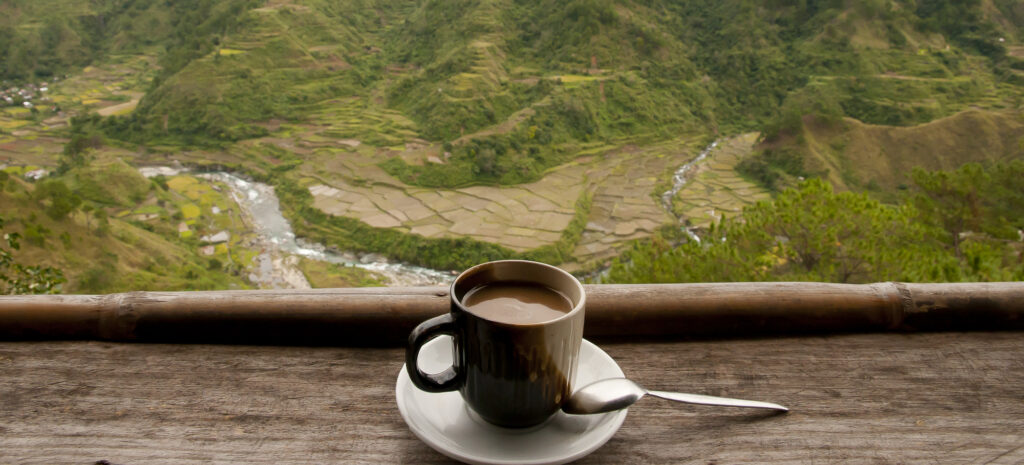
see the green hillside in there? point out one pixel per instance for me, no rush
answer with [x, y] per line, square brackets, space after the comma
[853, 155]
[444, 133]
[43, 38]
[109, 229]
[961, 225]
[592, 70]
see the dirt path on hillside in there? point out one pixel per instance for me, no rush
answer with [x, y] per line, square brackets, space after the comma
[122, 108]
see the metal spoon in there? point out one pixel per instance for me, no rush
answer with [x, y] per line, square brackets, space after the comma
[618, 393]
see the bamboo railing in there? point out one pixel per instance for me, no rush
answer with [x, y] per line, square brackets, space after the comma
[384, 316]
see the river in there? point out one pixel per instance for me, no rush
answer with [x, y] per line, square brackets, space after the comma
[679, 181]
[276, 266]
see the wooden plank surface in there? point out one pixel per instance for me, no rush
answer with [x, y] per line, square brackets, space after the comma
[951, 398]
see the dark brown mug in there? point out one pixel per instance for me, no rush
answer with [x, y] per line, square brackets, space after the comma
[511, 375]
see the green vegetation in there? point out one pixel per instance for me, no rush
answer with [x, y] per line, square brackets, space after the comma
[452, 94]
[42, 38]
[770, 166]
[324, 275]
[59, 201]
[444, 253]
[853, 155]
[960, 226]
[561, 251]
[513, 89]
[972, 203]
[17, 278]
[349, 234]
[109, 230]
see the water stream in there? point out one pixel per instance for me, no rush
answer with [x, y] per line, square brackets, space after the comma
[277, 264]
[679, 181]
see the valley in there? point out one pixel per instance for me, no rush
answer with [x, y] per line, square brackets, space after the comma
[392, 143]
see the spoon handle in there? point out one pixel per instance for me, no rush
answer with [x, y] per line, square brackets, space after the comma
[711, 400]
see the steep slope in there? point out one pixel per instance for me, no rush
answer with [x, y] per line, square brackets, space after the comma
[105, 234]
[585, 69]
[362, 111]
[42, 38]
[884, 156]
[853, 155]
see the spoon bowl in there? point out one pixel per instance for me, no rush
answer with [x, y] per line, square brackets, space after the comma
[618, 393]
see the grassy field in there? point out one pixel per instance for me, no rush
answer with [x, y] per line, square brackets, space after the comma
[326, 275]
[856, 156]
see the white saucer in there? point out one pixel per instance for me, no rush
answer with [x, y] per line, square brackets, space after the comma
[444, 422]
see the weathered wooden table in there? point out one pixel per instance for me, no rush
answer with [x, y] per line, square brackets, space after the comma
[857, 398]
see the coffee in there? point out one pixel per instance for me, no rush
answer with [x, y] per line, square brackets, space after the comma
[517, 327]
[516, 302]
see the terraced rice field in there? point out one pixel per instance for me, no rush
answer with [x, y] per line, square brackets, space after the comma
[28, 137]
[715, 189]
[625, 206]
[520, 217]
[341, 143]
[621, 183]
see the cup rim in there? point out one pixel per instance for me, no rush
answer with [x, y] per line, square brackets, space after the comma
[571, 313]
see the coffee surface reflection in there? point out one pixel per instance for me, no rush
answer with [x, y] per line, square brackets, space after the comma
[517, 302]
[517, 328]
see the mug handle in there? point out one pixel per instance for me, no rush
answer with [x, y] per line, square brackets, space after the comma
[447, 380]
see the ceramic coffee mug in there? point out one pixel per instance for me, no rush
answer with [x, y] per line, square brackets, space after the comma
[511, 375]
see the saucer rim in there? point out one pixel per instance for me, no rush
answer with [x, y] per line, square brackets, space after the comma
[617, 418]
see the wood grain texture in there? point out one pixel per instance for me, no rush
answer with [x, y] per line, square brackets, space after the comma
[922, 398]
[385, 316]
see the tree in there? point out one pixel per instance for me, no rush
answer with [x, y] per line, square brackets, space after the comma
[88, 210]
[16, 278]
[814, 233]
[952, 200]
[85, 137]
[1005, 199]
[805, 234]
[486, 161]
[102, 221]
[58, 199]
[975, 210]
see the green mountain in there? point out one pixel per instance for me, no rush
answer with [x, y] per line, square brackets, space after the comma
[579, 70]
[449, 132]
